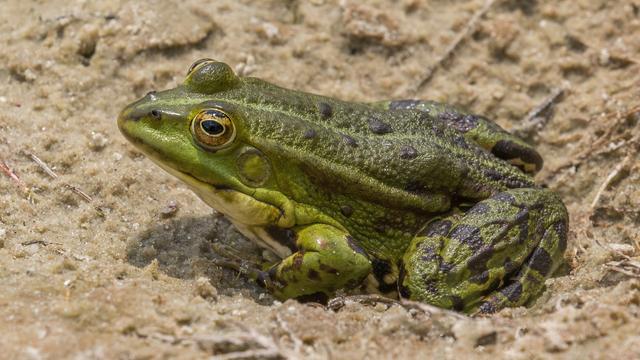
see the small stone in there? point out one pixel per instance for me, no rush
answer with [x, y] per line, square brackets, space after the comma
[169, 210]
[204, 289]
[275, 34]
[380, 307]
[98, 141]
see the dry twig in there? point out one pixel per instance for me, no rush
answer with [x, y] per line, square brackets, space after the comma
[535, 119]
[39, 242]
[12, 175]
[53, 175]
[598, 147]
[448, 53]
[42, 165]
[606, 137]
[613, 175]
[627, 267]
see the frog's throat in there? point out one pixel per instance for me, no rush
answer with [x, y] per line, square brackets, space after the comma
[251, 217]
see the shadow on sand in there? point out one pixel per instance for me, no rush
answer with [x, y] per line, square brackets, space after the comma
[184, 249]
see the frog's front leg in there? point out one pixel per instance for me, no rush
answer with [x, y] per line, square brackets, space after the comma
[327, 259]
[497, 254]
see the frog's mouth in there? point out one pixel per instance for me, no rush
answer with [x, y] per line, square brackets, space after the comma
[251, 217]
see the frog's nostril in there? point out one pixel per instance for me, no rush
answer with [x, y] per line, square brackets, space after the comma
[155, 114]
[151, 94]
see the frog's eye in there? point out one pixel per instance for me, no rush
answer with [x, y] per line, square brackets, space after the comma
[197, 63]
[212, 129]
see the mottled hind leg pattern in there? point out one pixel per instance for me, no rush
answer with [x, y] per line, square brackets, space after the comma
[529, 282]
[497, 254]
[478, 129]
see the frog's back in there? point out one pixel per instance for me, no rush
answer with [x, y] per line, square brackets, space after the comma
[421, 162]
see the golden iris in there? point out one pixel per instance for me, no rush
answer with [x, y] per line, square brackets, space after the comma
[212, 129]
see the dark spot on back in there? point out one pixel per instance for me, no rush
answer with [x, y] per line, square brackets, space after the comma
[349, 140]
[403, 104]
[378, 127]
[309, 134]
[541, 261]
[504, 197]
[479, 209]
[458, 121]
[346, 210]
[450, 117]
[326, 111]
[465, 123]
[408, 152]
[462, 122]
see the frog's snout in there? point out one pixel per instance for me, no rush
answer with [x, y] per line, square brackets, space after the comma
[135, 111]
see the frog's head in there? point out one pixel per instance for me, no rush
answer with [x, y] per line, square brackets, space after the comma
[192, 132]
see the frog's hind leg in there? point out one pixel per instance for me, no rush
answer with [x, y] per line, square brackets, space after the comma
[484, 132]
[497, 254]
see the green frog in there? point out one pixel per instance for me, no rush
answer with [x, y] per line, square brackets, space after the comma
[416, 199]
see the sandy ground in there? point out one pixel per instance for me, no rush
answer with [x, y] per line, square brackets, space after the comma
[128, 274]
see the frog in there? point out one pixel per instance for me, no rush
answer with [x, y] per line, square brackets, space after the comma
[412, 199]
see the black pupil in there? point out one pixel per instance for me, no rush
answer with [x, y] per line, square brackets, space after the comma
[212, 127]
